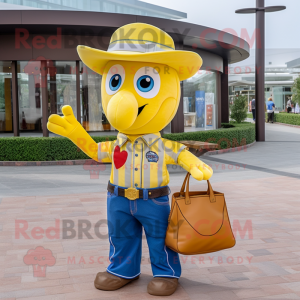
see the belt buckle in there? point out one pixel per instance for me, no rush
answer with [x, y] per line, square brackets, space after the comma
[132, 193]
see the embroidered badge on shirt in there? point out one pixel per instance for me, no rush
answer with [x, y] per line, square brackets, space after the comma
[152, 156]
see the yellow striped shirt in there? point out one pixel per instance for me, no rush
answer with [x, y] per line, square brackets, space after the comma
[141, 162]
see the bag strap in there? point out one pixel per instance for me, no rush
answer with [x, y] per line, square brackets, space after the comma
[184, 183]
[185, 190]
[211, 193]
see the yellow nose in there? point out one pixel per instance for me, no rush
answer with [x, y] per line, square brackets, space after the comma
[122, 110]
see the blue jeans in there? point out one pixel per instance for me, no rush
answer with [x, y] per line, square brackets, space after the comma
[126, 220]
[253, 114]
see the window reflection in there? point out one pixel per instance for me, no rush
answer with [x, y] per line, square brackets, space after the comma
[29, 96]
[200, 102]
[6, 124]
[61, 86]
[92, 114]
[61, 90]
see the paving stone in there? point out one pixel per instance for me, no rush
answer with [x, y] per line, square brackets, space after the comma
[264, 264]
[271, 268]
[236, 276]
[269, 240]
[23, 293]
[260, 252]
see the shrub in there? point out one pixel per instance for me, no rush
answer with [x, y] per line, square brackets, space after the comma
[283, 117]
[241, 134]
[227, 125]
[239, 109]
[296, 91]
[293, 119]
[42, 149]
[59, 148]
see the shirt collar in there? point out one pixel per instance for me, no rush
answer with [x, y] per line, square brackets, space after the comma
[149, 139]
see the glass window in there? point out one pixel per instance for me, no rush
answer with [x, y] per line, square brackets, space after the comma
[17, 2]
[167, 129]
[278, 97]
[55, 1]
[108, 7]
[61, 86]
[61, 90]
[29, 96]
[6, 123]
[92, 115]
[83, 5]
[96, 5]
[30, 3]
[200, 102]
[69, 3]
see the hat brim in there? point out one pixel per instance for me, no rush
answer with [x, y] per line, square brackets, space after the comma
[186, 63]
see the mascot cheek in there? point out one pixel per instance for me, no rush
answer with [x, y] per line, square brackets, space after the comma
[165, 114]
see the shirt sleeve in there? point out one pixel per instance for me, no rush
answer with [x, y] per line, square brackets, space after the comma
[105, 151]
[172, 151]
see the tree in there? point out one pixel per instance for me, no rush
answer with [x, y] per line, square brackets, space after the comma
[296, 91]
[239, 109]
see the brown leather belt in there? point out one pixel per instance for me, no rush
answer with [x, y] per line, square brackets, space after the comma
[133, 194]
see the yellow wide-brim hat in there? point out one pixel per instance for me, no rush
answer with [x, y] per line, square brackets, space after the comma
[141, 42]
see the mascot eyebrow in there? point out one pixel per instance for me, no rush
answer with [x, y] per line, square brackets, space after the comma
[140, 92]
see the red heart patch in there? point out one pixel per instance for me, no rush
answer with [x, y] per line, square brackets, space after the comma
[119, 157]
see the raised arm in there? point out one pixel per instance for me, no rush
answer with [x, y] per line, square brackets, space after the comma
[69, 127]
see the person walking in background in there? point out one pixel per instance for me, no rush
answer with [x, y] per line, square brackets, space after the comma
[289, 105]
[253, 108]
[270, 110]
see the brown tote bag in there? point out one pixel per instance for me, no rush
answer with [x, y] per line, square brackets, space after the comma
[198, 222]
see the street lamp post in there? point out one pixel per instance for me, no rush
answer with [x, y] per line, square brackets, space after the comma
[260, 11]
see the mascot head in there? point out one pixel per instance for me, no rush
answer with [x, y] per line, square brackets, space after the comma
[141, 73]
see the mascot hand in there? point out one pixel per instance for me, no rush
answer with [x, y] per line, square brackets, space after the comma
[63, 125]
[192, 164]
[69, 127]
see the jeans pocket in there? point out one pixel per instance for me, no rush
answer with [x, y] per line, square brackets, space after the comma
[164, 200]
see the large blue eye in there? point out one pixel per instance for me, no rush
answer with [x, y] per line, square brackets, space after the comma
[145, 83]
[115, 82]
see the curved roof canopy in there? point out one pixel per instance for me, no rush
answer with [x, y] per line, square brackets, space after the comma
[82, 23]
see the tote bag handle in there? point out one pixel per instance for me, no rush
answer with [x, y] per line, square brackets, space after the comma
[186, 193]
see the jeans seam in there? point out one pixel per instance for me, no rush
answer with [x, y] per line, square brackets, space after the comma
[134, 211]
[135, 206]
[159, 203]
[130, 208]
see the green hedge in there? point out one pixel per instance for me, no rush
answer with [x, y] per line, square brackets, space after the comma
[227, 125]
[58, 148]
[291, 118]
[241, 134]
[42, 149]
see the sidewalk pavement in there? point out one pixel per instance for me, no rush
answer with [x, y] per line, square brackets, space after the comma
[261, 186]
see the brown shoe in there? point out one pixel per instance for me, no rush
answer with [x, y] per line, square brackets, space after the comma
[108, 282]
[162, 286]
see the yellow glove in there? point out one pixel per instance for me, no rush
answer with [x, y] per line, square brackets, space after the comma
[198, 169]
[69, 127]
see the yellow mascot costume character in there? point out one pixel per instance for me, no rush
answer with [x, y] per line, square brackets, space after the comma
[141, 73]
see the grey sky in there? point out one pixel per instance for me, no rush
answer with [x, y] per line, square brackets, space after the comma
[282, 27]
